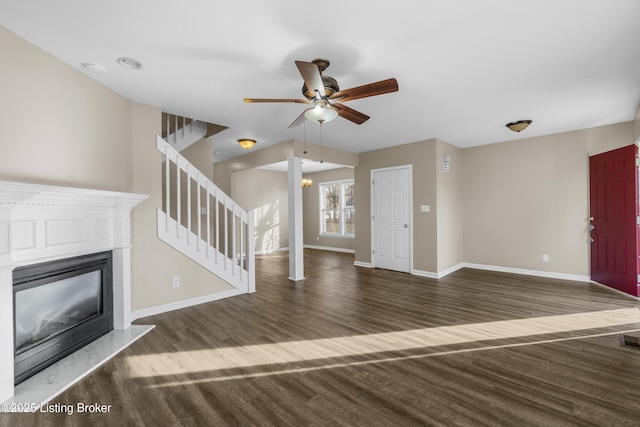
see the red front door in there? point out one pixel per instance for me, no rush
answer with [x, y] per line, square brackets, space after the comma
[613, 185]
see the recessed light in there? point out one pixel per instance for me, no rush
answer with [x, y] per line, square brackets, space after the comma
[130, 63]
[94, 68]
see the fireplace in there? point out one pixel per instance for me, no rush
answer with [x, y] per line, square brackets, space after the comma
[41, 228]
[59, 307]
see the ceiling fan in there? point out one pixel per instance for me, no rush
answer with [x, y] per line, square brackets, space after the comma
[325, 95]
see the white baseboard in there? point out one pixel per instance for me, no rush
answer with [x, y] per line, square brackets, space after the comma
[538, 273]
[328, 248]
[362, 264]
[438, 275]
[422, 273]
[446, 272]
[159, 309]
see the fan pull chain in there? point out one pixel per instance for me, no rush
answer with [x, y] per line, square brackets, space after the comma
[305, 137]
[321, 121]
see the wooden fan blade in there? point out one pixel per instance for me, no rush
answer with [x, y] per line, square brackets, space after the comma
[350, 114]
[299, 101]
[371, 89]
[311, 75]
[301, 118]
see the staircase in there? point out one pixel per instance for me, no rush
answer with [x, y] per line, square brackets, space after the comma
[201, 221]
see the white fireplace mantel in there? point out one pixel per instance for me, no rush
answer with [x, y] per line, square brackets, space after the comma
[41, 223]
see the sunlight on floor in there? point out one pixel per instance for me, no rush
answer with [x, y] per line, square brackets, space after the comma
[185, 362]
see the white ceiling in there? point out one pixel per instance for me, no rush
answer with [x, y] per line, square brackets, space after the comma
[464, 67]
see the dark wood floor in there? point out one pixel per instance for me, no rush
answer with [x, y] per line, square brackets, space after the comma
[351, 346]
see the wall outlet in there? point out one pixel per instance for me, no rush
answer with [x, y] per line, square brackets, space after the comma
[176, 282]
[545, 257]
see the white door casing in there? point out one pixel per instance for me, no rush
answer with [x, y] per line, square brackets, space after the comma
[391, 221]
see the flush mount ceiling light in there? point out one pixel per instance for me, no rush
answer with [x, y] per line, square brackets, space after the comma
[247, 143]
[518, 126]
[130, 63]
[94, 68]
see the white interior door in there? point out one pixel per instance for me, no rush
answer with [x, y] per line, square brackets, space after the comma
[391, 210]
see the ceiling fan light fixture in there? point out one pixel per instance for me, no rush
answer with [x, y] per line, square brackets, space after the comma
[247, 143]
[518, 126]
[320, 114]
[324, 91]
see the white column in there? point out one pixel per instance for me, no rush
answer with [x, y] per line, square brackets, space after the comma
[296, 254]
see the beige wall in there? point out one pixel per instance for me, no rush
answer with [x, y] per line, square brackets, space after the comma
[530, 197]
[422, 156]
[266, 192]
[200, 155]
[311, 207]
[58, 126]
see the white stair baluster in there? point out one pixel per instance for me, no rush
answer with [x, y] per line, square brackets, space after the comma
[178, 197]
[167, 193]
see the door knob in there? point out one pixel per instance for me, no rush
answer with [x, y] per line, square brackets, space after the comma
[406, 226]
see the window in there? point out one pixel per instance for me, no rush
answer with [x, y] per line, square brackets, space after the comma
[337, 208]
